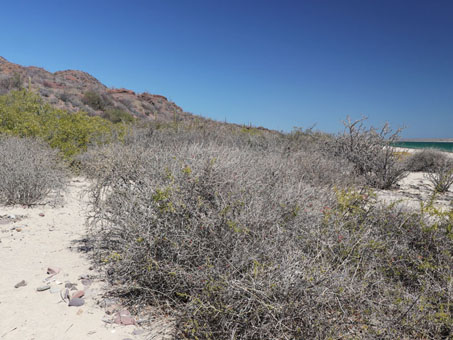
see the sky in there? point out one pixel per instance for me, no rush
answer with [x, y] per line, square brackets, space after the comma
[279, 64]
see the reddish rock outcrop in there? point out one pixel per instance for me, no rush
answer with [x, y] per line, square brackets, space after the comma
[126, 91]
[67, 90]
[151, 97]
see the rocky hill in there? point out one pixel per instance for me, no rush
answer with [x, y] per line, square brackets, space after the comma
[79, 91]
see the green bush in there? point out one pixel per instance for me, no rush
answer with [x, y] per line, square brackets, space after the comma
[24, 114]
[94, 100]
[116, 115]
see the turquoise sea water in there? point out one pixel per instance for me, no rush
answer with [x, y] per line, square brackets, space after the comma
[443, 146]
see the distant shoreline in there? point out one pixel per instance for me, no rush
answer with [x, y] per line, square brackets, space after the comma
[444, 145]
[428, 140]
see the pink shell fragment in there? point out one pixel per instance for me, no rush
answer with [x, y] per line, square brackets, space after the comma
[123, 317]
[53, 270]
[78, 294]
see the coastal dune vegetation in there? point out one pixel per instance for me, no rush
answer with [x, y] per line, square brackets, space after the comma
[243, 233]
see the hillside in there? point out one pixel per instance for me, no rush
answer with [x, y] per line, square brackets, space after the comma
[74, 90]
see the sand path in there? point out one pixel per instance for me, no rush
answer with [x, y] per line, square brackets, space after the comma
[31, 244]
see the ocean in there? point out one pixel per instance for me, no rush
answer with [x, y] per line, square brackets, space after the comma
[443, 146]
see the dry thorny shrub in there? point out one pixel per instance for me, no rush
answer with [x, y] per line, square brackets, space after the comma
[437, 165]
[425, 160]
[29, 171]
[245, 243]
[371, 153]
[441, 175]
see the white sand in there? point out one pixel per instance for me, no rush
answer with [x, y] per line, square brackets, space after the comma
[26, 255]
[415, 188]
[412, 190]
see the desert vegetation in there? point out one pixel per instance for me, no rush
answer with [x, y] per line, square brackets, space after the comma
[24, 114]
[29, 171]
[242, 233]
[370, 152]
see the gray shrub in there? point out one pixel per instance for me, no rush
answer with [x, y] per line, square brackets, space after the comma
[29, 171]
[243, 236]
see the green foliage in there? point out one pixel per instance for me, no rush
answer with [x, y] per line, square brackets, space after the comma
[24, 114]
[116, 115]
[94, 100]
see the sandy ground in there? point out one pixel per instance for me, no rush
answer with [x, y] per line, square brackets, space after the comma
[412, 190]
[415, 188]
[31, 241]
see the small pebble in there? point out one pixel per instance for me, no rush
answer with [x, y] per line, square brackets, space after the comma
[20, 284]
[138, 332]
[76, 302]
[18, 229]
[87, 282]
[65, 294]
[42, 288]
[54, 290]
[41, 214]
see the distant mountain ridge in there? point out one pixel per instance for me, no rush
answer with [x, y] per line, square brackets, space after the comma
[74, 90]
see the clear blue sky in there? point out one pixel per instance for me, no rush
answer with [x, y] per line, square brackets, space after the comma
[276, 64]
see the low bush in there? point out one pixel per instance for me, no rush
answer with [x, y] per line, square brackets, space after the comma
[205, 228]
[29, 171]
[245, 241]
[426, 160]
[94, 100]
[10, 83]
[24, 114]
[441, 175]
[118, 116]
[371, 153]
